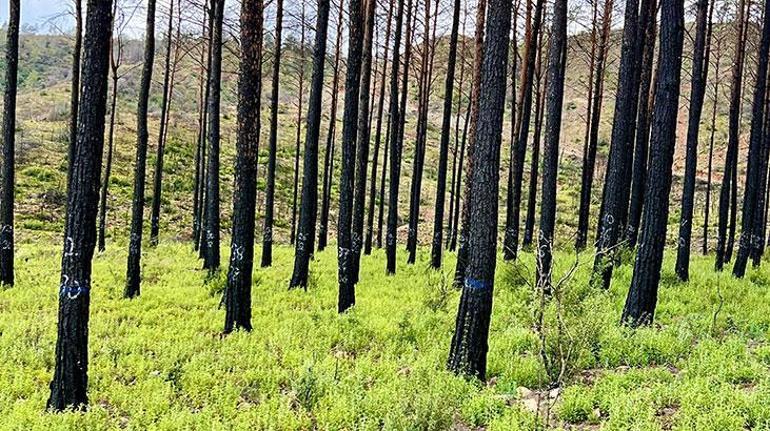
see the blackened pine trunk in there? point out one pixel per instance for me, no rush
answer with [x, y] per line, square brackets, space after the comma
[511, 237]
[165, 106]
[457, 168]
[754, 168]
[70, 379]
[116, 52]
[133, 270]
[200, 154]
[733, 211]
[589, 153]
[165, 112]
[760, 214]
[557, 55]
[362, 141]
[473, 109]
[697, 95]
[514, 104]
[540, 86]
[642, 296]
[641, 148]
[418, 161]
[75, 83]
[298, 136]
[377, 140]
[614, 201]
[725, 191]
[468, 354]
[446, 124]
[211, 259]
[381, 205]
[396, 130]
[9, 145]
[347, 295]
[455, 229]
[237, 298]
[715, 103]
[323, 228]
[309, 203]
[267, 231]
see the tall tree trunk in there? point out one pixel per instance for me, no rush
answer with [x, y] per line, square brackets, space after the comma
[457, 169]
[70, 379]
[446, 124]
[615, 197]
[133, 271]
[267, 232]
[298, 136]
[347, 295]
[212, 258]
[540, 86]
[200, 154]
[732, 140]
[397, 116]
[362, 140]
[641, 149]
[557, 56]
[589, 153]
[468, 353]
[323, 228]
[478, 56]
[697, 95]
[75, 83]
[511, 238]
[642, 296]
[237, 297]
[309, 208]
[754, 168]
[715, 103]
[455, 229]
[377, 140]
[116, 54]
[165, 107]
[9, 145]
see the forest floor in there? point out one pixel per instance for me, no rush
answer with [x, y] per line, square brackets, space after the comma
[160, 361]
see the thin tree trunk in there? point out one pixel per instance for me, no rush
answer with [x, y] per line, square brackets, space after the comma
[456, 169]
[309, 208]
[267, 232]
[70, 379]
[298, 137]
[168, 91]
[133, 271]
[446, 124]
[75, 83]
[116, 53]
[589, 154]
[377, 141]
[455, 230]
[557, 56]
[715, 103]
[540, 86]
[397, 117]
[9, 145]
[697, 95]
[200, 155]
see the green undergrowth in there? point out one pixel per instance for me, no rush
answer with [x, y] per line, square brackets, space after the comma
[161, 362]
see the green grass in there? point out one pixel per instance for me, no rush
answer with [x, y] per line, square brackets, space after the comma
[160, 362]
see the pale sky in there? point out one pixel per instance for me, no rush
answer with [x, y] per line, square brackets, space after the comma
[35, 12]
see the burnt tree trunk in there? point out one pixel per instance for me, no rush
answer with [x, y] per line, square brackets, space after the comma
[9, 145]
[211, 258]
[589, 152]
[237, 297]
[323, 228]
[457, 169]
[298, 135]
[715, 103]
[133, 271]
[754, 168]
[540, 86]
[267, 232]
[377, 140]
[397, 109]
[200, 154]
[70, 379]
[446, 124]
[75, 83]
[468, 353]
[462, 252]
[309, 204]
[697, 95]
[557, 55]
[726, 190]
[642, 295]
[362, 140]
